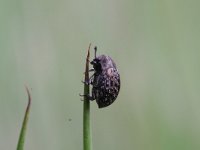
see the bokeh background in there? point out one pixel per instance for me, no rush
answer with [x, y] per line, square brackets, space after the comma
[155, 44]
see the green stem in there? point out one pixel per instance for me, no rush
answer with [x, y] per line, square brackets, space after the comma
[20, 145]
[86, 108]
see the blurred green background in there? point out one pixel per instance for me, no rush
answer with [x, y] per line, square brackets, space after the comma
[155, 45]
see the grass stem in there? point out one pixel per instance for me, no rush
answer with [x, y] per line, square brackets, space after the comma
[86, 108]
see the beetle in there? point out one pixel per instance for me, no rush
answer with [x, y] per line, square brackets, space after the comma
[105, 81]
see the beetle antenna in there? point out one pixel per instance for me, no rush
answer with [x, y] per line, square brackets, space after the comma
[95, 52]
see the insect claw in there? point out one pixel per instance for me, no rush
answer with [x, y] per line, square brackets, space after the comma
[91, 70]
[85, 82]
[81, 95]
[87, 96]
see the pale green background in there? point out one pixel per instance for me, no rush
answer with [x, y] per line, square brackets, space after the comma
[155, 44]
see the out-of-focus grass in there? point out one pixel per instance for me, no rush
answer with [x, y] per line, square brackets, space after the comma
[155, 45]
[21, 140]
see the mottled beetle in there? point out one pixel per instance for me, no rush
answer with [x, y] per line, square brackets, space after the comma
[105, 81]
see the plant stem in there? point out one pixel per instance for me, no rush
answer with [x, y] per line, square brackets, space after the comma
[86, 108]
[20, 145]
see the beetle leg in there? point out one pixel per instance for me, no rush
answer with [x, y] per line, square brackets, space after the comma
[90, 81]
[87, 96]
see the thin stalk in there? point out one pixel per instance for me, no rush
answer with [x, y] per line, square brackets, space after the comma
[20, 145]
[86, 108]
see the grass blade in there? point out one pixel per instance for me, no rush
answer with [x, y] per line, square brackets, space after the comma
[20, 145]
